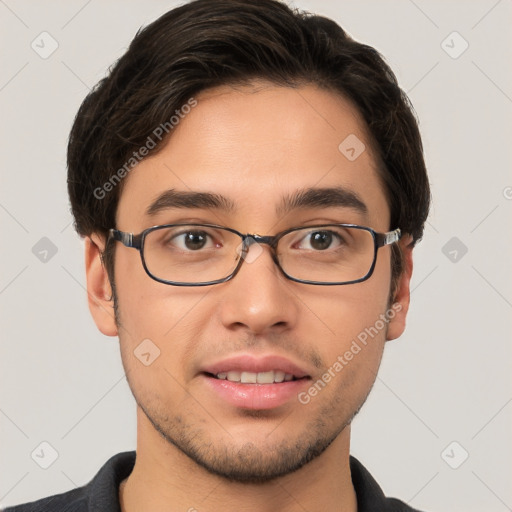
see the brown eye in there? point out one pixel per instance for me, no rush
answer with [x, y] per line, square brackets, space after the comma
[194, 240]
[320, 240]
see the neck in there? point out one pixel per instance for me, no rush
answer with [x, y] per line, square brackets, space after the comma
[164, 478]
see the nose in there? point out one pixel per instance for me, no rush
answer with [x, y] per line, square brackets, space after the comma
[259, 298]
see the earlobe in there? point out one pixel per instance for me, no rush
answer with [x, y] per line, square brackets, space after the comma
[99, 290]
[400, 307]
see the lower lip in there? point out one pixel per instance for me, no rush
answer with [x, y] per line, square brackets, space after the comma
[256, 396]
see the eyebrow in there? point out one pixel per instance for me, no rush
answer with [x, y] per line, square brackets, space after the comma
[315, 198]
[337, 197]
[182, 199]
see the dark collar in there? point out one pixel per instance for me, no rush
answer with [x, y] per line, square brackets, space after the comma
[370, 497]
[104, 488]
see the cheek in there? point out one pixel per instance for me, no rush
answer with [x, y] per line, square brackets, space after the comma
[350, 309]
[163, 313]
[159, 325]
[148, 308]
[356, 327]
[351, 355]
[359, 333]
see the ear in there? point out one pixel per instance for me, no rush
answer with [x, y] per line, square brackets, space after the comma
[99, 291]
[400, 306]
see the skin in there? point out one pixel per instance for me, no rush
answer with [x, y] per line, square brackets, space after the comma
[252, 144]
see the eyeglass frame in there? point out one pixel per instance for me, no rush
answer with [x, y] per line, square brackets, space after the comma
[133, 241]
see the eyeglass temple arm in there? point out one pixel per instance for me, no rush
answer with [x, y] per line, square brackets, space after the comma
[388, 238]
[127, 239]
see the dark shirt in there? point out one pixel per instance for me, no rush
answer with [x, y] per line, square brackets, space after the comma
[101, 494]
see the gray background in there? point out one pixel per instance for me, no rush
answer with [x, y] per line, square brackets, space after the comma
[447, 379]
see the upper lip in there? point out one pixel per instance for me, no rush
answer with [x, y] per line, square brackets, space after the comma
[256, 364]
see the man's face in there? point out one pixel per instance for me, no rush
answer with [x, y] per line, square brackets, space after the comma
[252, 146]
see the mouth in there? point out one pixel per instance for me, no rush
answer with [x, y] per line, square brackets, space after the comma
[246, 381]
[247, 377]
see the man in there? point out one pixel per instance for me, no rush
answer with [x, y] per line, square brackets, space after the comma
[250, 185]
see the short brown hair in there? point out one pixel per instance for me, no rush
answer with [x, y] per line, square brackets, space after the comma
[204, 44]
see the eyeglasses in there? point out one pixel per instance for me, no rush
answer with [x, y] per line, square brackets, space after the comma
[206, 254]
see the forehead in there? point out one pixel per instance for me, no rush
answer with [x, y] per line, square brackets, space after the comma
[256, 146]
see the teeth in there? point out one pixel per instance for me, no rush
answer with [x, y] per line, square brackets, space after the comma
[264, 377]
[233, 376]
[256, 378]
[279, 376]
[249, 377]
